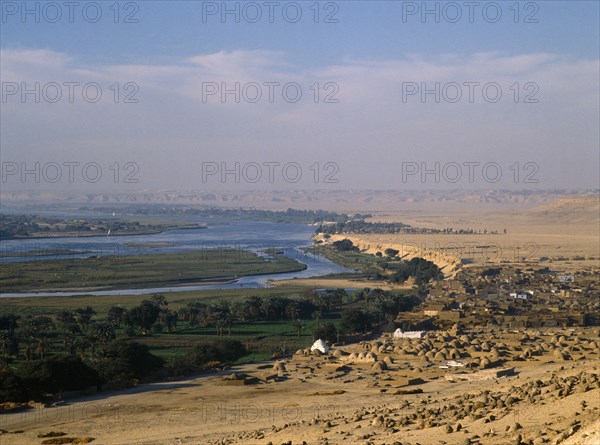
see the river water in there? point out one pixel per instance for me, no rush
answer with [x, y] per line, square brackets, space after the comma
[255, 236]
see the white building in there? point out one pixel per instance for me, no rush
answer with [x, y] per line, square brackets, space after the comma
[408, 334]
[320, 345]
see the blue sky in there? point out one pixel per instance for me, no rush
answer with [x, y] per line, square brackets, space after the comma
[365, 29]
[370, 54]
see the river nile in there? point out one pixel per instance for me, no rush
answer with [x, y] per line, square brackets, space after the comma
[219, 234]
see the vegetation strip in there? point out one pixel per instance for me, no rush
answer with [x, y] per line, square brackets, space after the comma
[130, 271]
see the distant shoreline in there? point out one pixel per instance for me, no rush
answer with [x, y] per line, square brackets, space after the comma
[53, 235]
[165, 284]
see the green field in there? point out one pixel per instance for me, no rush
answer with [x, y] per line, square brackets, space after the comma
[50, 306]
[131, 271]
[262, 338]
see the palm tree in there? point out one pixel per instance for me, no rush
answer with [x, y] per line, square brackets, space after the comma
[316, 315]
[116, 315]
[219, 323]
[238, 310]
[252, 307]
[84, 316]
[9, 323]
[26, 334]
[195, 311]
[100, 334]
[82, 343]
[299, 325]
[366, 293]
[170, 319]
[159, 301]
[319, 301]
[278, 305]
[378, 294]
[219, 316]
[229, 320]
[336, 298]
[5, 345]
[266, 306]
[35, 329]
[162, 304]
[68, 330]
[64, 319]
[292, 310]
[42, 326]
[9, 339]
[69, 338]
[183, 314]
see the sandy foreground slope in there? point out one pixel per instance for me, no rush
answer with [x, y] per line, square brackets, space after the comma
[339, 399]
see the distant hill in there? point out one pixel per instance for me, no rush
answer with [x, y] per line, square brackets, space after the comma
[334, 200]
[575, 209]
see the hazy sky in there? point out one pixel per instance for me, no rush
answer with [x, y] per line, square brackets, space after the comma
[283, 95]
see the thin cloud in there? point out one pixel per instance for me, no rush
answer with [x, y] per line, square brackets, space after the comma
[173, 119]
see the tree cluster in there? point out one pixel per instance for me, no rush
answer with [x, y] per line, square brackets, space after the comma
[358, 225]
[123, 362]
[345, 245]
[378, 307]
[420, 269]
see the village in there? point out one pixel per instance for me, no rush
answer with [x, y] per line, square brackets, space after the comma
[511, 297]
[513, 350]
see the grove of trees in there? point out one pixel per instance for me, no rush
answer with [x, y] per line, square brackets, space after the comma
[76, 349]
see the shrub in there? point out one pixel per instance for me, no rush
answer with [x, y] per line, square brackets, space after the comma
[327, 331]
[345, 245]
[491, 272]
[143, 316]
[56, 374]
[12, 388]
[391, 252]
[178, 366]
[355, 320]
[222, 350]
[126, 360]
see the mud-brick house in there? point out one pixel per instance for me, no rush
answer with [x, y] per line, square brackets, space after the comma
[437, 292]
[450, 315]
[514, 321]
[456, 286]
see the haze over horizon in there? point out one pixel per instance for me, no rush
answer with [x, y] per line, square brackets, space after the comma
[194, 97]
